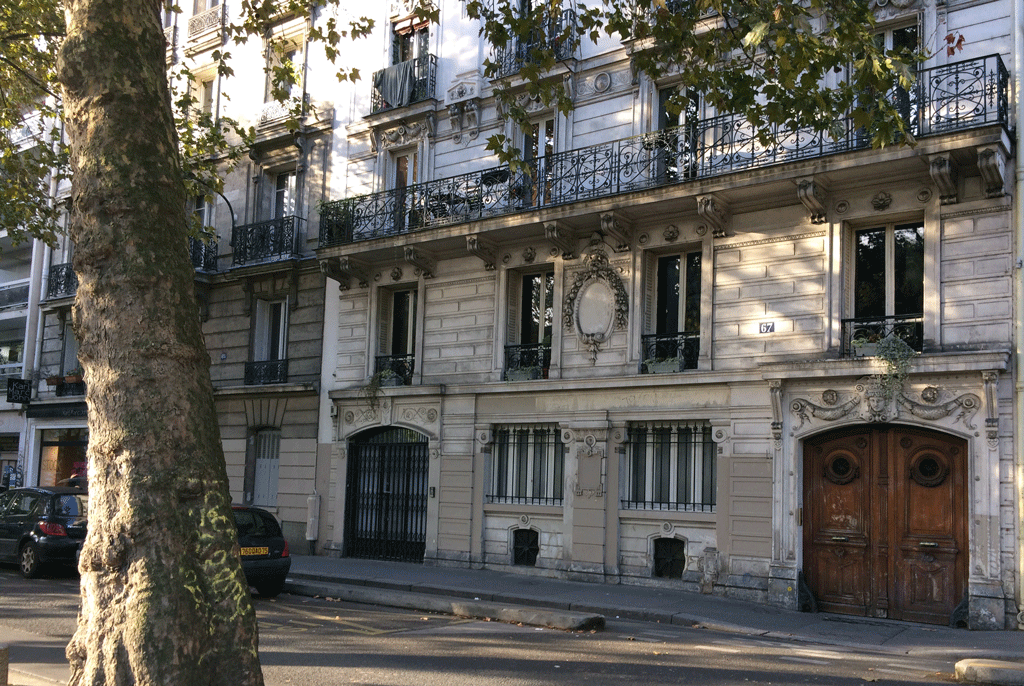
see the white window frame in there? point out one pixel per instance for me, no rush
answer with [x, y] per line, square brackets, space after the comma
[269, 313]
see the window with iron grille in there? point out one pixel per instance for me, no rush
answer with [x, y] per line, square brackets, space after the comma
[528, 466]
[525, 547]
[670, 466]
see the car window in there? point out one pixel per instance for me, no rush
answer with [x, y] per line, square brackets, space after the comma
[24, 503]
[70, 505]
[5, 499]
[254, 523]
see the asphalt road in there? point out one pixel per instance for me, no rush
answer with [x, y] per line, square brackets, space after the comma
[321, 642]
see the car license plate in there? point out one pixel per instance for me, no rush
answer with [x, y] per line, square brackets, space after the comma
[256, 551]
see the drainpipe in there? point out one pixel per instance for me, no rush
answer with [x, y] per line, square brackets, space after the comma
[1018, 225]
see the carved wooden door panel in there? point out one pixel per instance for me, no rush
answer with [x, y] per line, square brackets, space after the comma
[837, 508]
[884, 523]
[929, 525]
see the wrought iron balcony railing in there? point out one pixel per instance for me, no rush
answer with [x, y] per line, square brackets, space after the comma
[268, 372]
[861, 335]
[62, 282]
[265, 241]
[394, 370]
[669, 352]
[206, 20]
[404, 83]
[555, 33]
[529, 361]
[203, 254]
[954, 97]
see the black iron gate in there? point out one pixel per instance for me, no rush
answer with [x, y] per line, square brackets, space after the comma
[386, 501]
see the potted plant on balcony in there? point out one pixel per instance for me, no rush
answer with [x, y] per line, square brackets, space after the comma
[73, 375]
[663, 365]
[896, 354]
[54, 379]
[524, 373]
[865, 343]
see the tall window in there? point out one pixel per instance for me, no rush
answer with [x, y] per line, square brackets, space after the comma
[528, 466]
[284, 194]
[269, 343]
[405, 173]
[203, 5]
[201, 210]
[673, 341]
[888, 289]
[538, 148]
[901, 39]
[284, 72]
[396, 359]
[69, 358]
[271, 330]
[670, 466]
[410, 41]
[531, 319]
[678, 136]
[266, 456]
[205, 96]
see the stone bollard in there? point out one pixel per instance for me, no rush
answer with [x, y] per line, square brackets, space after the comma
[5, 659]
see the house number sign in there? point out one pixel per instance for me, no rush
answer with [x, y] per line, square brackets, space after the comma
[767, 327]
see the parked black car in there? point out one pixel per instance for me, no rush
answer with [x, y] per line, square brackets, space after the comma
[40, 527]
[265, 557]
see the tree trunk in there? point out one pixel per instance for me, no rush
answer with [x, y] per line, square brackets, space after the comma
[164, 600]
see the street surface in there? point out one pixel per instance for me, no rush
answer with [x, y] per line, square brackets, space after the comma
[321, 642]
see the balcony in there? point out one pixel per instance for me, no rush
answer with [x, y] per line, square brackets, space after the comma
[203, 254]
[951, 98]
[526, 362]
[11, 370]
[13, 296]
[394, 370]
[862, 335]
[268, 372]
[403, 84]
[267, 241]
[206, 20]
[668, 353]
[557, 34]
[62, 282]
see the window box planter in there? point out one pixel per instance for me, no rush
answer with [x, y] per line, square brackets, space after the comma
[865, 349]
[523, 374]
[663, 366]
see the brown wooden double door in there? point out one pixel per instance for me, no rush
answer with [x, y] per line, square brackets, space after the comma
[885, 523]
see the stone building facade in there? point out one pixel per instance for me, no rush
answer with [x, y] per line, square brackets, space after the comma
[654, 356]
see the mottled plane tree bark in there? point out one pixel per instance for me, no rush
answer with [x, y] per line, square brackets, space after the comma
[164, 600]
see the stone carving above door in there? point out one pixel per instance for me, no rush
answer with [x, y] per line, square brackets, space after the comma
[868, 403]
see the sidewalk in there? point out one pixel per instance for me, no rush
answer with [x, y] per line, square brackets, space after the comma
[986, 657]
[989, 657]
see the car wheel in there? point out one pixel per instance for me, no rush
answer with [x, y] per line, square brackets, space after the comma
[28, 561]
[271, 589]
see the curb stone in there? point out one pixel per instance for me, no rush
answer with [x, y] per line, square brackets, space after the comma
[553, 619]
[992, 672]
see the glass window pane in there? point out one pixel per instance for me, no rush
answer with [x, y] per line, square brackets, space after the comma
[909, 269]
[691, 315]
[668, 295]
[869, 270]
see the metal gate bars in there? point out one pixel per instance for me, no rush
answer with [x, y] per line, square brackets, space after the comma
[386, 503]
